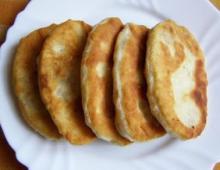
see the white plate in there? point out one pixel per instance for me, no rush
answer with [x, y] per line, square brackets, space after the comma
[164, 153]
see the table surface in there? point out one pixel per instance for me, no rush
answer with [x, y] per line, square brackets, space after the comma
[8, 11]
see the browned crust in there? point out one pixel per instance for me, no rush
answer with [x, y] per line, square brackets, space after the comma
[97, 91]
[132, 104]
[61, 69]
[25, 83]
[161, 93]
[199, 94]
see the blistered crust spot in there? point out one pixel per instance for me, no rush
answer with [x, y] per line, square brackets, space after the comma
[58, 48]
[101, 69]
[62, 91]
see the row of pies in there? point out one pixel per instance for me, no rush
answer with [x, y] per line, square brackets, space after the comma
[119, 83]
